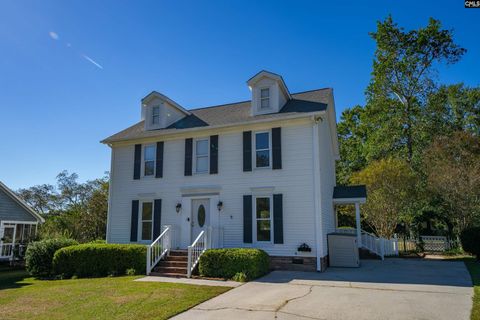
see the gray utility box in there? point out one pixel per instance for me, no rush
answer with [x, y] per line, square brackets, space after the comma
[343, 250]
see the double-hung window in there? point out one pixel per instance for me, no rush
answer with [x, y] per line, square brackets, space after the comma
[156, 115]
[149, 160]
[263, 217]
[262, 149]
[147, 219]
[201, 156]
[264, 98]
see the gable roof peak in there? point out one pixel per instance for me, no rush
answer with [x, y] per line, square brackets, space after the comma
[21, 202]
[156, 94]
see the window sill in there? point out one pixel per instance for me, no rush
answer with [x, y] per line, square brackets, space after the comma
[262, 168]
[263, 244]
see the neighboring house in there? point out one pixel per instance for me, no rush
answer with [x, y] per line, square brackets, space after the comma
[18, 222]
[258, 173]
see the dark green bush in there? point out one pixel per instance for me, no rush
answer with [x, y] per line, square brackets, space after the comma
[230, 263]
[99, 260]
[39, 255]
[471, 241]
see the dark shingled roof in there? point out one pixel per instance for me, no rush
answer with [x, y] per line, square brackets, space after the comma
[231, 114]
[348, 192]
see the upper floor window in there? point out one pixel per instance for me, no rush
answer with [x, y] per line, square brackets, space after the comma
[147, 219]
[265, 98]
[262, 149]
[149, 161]
[263, 219]
[156, 115]
[201, 156]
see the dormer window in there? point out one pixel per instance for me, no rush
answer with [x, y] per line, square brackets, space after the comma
[265, 98]
[156, 115]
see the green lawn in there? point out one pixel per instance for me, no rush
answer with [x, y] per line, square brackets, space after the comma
[474, 268]
[23, 297]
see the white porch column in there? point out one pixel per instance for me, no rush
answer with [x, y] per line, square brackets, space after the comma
[359, 226]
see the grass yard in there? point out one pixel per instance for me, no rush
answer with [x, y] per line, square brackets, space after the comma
[23, 297]
[474, 268]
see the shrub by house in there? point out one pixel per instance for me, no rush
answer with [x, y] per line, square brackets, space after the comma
[97, 260]
[235, 263]
[39, 255]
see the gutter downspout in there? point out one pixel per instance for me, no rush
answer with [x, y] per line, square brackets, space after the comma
[109, 194]
[316, 191]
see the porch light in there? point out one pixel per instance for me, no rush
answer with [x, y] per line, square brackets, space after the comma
[178, 207]
[219, 205]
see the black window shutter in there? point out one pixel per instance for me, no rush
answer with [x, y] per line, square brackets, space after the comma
[247, 219]
[214, 154]
[134, 222]
[157, 218]
[137, 162]
[188, 156]
[159, 160]
[247, 151]
[278, 218]
[277, 148]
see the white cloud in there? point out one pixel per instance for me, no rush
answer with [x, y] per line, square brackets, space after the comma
[53, 35]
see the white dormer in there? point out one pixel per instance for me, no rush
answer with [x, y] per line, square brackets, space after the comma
[159, 111]
[269, 93]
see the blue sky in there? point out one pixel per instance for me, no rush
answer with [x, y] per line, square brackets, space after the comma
[73, 72]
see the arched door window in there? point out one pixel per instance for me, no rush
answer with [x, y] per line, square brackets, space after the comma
[201, 215]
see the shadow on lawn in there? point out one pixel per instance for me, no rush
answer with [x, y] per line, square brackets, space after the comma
[10, 278]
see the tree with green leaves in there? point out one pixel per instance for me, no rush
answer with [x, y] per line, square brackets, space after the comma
[452, 165]
[71, 209]
[391, 187]
[403, 77]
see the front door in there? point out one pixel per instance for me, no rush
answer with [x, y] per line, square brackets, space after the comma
[200, 216]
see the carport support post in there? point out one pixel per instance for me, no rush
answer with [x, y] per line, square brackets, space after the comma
[359, 227]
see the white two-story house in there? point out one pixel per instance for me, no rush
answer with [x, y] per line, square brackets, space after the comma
[258, 173]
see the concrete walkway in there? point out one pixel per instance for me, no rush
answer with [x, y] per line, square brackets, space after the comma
[390, 289]
[197, 282]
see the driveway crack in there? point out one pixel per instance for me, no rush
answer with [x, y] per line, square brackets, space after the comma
[310, 289]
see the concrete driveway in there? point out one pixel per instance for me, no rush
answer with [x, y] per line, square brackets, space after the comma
[390, 289]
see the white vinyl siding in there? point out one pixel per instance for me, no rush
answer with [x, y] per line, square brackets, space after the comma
[295, 182]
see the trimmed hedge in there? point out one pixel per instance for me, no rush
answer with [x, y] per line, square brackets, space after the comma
[39, 255]
[471, 241]
[98, 260]
[238, 264]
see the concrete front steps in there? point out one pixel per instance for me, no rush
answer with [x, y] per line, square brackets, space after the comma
[174, 265]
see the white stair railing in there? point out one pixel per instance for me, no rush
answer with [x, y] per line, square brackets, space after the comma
[380, 246]
[158, 249]
[373, 243]
[197, 248]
